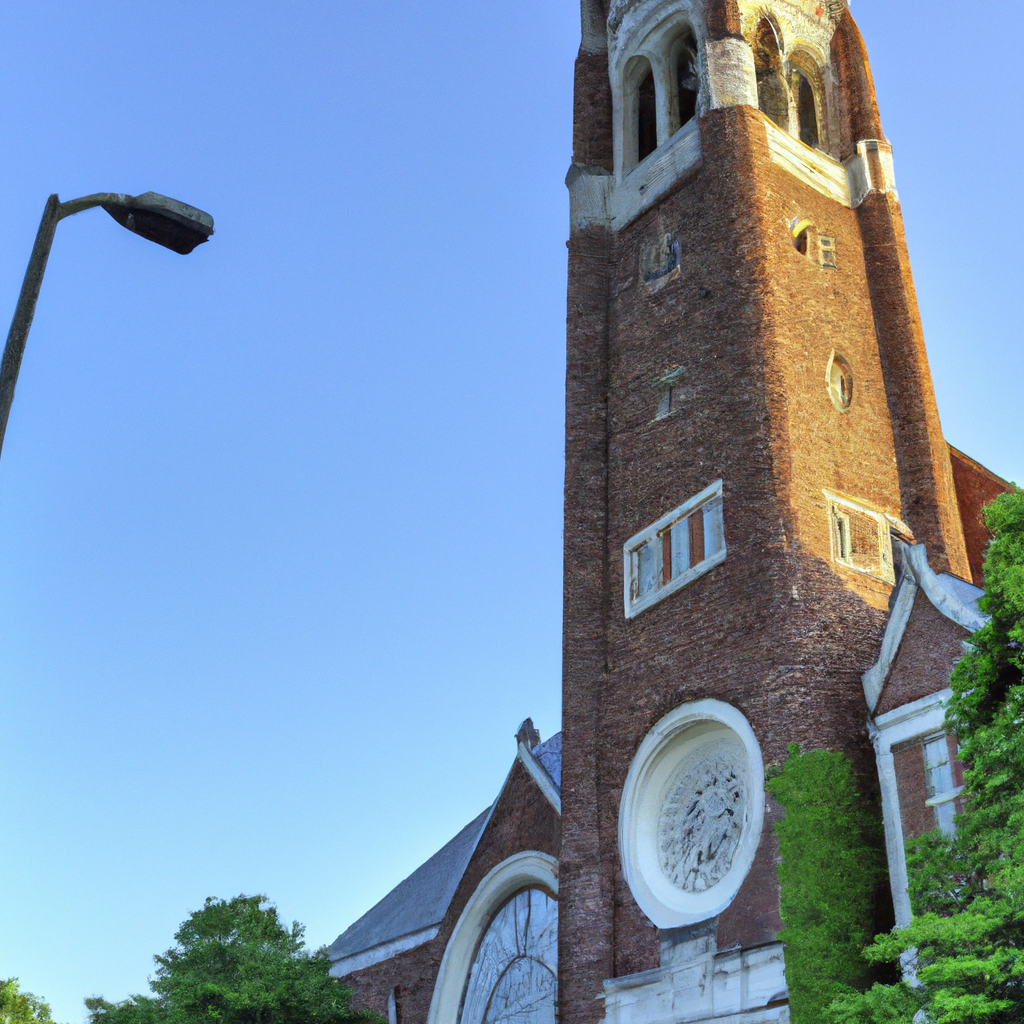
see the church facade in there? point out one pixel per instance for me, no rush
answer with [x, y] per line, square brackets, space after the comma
[767, 541]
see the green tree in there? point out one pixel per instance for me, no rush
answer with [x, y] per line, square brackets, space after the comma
[17, 1007]
[967, 891]
[235, 962]
[830, 874]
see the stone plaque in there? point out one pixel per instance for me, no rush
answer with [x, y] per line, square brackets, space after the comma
[701, 821]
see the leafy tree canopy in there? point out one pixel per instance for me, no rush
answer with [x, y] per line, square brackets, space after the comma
[967, 890]
[17, 1007]
[235, 962]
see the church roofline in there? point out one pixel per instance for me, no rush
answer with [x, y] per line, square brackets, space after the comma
[411, 913]
[956, 599]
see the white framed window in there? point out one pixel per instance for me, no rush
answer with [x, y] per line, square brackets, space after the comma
[674, 551]
[860, 537]
[941, 787]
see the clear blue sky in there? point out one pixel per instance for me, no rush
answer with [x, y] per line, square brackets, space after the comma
[280, 522]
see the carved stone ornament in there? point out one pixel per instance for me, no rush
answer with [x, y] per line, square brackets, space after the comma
[691, 813]
[702, 820]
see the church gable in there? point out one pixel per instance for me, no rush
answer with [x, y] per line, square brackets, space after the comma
[932, 645]
[522, 818]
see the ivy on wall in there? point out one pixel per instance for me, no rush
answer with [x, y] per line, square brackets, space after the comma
[830, 875]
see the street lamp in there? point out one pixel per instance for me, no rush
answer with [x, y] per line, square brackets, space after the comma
[165, 221]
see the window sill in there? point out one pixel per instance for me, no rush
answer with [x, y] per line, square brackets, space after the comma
[943, 798]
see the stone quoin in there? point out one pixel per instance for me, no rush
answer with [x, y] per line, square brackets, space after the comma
[767, 541]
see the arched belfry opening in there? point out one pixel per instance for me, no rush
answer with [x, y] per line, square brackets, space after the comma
[646, 113]
[772, 94]
[685, 80]
[806, 110]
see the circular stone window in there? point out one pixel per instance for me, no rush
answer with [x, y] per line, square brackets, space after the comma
[839, 381]
[691, 813]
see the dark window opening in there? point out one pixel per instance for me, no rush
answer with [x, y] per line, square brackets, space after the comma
[687, 81]
[801, 242]
[772, 94]
[647, 118]
[827, 251]
[807, 112]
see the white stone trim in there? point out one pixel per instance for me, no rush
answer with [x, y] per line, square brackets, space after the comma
[732, 79]
[643, 797]
[919, 718]
[375, 954]
[917, 575]
[530, 869]
[946, 602]
[653, 176]
[595, 200]
[810, 166]
[871, 170]
[727, 988]
[540, 775]
[875, 677]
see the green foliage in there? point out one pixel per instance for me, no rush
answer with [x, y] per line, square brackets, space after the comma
[967, 891]
[234, 962]
[17, 1007]
[830, 874]
[881, 1004]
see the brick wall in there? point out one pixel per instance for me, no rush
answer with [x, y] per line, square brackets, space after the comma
[778, 630]
[976, 486]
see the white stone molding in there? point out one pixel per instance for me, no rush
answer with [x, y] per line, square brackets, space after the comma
[734, 987]
[384, 951]
[919, 718]
[710, 743]
[595, 200]
[732, 81]
[917, 575]
[540, 775]
[875, 677]
[944, 598]
[530, 869]
[811, 166]
[871, 170]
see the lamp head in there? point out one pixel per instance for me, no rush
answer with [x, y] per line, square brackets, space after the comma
[165, 221]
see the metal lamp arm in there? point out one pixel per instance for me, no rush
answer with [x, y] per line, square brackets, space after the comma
[54, 212]
[73, 206]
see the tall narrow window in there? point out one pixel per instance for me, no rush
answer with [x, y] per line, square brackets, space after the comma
[772, 94]
[674, 551]
[647, 118]
[942, 789]
[807, 111]
[686, 80]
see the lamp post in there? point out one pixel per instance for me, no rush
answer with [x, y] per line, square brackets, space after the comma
[165, 221]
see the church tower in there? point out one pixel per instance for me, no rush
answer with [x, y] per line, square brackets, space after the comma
[750, 421]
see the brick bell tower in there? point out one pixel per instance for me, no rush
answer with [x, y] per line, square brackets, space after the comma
[750, 417]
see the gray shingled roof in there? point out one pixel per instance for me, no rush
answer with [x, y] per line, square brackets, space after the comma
[549, 753]
[422, 900]
[417, 903]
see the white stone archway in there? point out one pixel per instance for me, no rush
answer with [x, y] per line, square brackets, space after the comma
[527, 870]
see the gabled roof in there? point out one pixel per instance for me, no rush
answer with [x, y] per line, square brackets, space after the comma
[956, 599]
[412, 912]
